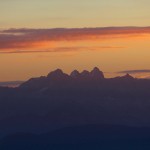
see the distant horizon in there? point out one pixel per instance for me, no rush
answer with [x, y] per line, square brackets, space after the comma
[107, 75]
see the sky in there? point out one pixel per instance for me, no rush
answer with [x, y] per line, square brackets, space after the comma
[38, 36]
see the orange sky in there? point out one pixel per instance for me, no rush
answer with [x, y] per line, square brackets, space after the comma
[37, 36]
[111, 49]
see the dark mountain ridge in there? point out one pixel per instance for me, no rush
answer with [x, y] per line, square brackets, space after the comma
[63, 79]
[60, 100]
[91, 82]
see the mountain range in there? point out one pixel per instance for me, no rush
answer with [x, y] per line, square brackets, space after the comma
[58, 102]
[59, 79]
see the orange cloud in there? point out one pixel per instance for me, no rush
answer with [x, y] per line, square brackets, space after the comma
[50, 40]
[61, 49]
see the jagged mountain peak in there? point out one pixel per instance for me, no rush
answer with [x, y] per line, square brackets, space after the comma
[96, 73]
[128, 76]
[96, 69]
[75, 74]
[125, 77]
[58, 78]
[56, 72]
[85, 73]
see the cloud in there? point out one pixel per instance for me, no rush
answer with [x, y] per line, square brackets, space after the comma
[40, 40]
[61, 49]
[135, 71]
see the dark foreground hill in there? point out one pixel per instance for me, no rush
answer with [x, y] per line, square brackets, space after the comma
[82, 137]
[57, 101]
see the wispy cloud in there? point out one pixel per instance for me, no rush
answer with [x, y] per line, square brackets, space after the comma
[135, 71]
[61, 49]
[47, 40]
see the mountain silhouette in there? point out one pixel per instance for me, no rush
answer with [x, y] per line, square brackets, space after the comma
[57, 74]
[58, 78]
[97, 74]
[75, 74]
[85, 74]
[59, 101]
